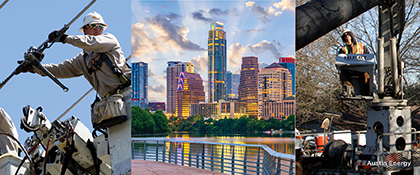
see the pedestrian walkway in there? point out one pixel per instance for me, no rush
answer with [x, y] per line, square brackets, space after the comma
[144, 167]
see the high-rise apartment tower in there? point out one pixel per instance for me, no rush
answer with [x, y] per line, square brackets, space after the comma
[248, 85]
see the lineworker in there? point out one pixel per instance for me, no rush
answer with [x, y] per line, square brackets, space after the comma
[351, 45]
[101, 51]
[96, 46]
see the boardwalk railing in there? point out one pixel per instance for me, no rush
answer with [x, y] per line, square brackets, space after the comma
[221, 157]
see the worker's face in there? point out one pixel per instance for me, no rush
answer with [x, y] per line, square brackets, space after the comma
[347, 38]
[93, 29]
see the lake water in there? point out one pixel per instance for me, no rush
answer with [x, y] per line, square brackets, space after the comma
[283, 143]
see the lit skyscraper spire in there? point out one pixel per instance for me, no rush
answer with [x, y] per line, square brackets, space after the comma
[217, 62]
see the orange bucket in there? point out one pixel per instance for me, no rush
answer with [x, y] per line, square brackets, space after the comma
[320, 142]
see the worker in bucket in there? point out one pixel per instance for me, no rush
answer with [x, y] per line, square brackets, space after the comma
[103, 65]
[7, 144]
[351, 46]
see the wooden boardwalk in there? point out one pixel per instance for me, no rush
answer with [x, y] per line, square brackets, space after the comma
[144, 167]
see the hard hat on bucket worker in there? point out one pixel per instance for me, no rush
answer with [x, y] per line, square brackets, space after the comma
[346, 31]
[93, 18]
[353, 39]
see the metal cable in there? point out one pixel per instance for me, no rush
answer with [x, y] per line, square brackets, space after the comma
[24, 150]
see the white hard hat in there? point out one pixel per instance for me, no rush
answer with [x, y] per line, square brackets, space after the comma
[345, 31]
[93, 18]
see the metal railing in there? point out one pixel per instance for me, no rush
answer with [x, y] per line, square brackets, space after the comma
[319, 147]
[220, 157]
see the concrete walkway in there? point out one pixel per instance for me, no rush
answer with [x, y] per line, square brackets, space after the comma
[144, 167]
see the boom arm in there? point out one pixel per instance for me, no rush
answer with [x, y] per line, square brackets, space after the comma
[318, 17]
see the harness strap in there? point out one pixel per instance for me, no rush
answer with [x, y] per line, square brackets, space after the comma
[125, 81]
[97, 65]
[70, 149]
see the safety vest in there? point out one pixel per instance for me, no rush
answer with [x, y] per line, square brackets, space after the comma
[359, 49]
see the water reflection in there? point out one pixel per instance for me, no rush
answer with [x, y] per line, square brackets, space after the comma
[278, 144]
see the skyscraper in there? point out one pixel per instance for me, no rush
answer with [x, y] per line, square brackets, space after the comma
[289, 63]
[232, 83]
[172, 72]
[228, 84]
[248, 85]
[139, 84]
[190, 89]
[235, 86]
[217, 62]
[171, 84]
[274, 86]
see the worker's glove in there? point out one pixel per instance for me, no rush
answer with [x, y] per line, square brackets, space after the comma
[31, 55]
[24, 66]
[39, 55]
[53, 36]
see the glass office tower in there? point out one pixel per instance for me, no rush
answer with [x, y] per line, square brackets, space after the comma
[139, 84]
[217, 63]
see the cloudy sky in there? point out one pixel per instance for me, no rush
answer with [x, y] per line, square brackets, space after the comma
[165, 31]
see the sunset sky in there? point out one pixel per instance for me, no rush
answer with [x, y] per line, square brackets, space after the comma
[165, 31]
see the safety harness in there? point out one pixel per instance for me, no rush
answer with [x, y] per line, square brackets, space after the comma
[125, 81]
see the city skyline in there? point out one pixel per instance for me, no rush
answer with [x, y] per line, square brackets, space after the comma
[178, 31]
[175, 67]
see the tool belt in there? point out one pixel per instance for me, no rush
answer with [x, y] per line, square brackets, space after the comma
[108, 108]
